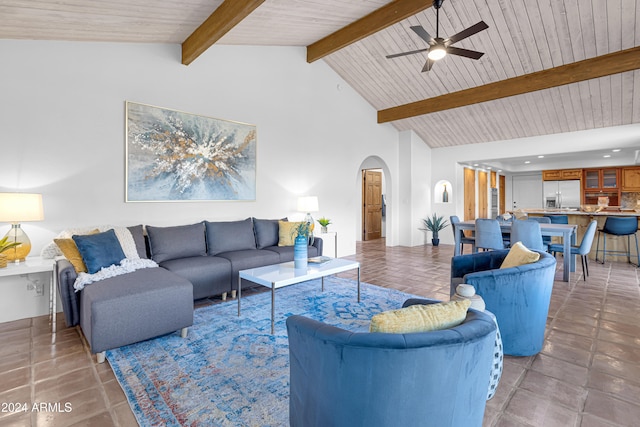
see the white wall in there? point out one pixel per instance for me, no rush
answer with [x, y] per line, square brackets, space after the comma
[416, 188]
[62, 121]
[62, 112]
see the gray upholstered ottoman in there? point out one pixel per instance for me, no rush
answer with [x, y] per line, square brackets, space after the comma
[135, 307]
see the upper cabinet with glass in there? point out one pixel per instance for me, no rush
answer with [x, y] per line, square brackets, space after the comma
[599, 179]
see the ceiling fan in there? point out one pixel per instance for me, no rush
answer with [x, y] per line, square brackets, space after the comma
[439, 47]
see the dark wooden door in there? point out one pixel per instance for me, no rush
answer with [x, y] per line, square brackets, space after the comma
[372, 205]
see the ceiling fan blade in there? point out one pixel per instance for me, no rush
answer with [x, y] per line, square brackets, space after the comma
[466, 33]
[422, 33]
[464, 52]
[395, 55]
[428, 65]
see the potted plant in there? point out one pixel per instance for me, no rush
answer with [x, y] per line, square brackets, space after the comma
[4, 245]
[324, 223]
[434, 224]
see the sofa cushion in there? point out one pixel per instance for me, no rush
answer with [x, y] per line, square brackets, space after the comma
[421, 318]
[519, 255]
[230, 236]
[266, 232]
[99, 250]
[181, 241]
[243, 260]
[287, 232]
[286, 252]
[209, 275]
[138, 237]
[134, 307]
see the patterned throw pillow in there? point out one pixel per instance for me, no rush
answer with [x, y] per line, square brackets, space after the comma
[421, 318]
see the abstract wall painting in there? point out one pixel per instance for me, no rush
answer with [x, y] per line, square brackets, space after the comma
[177, 156]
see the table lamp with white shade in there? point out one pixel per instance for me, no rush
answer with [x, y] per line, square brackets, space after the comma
[16, 208]
[308, 204]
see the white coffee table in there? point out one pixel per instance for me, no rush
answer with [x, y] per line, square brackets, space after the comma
[280, 275]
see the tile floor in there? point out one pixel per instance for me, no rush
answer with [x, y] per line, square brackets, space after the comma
[588, 373]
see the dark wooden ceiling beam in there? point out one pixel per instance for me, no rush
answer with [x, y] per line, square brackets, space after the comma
[377, 20]
[224, 18]
[605, 65]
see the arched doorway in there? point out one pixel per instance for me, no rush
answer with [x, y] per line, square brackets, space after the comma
[375, 165]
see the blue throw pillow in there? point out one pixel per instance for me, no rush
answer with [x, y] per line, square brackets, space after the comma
[99, 250]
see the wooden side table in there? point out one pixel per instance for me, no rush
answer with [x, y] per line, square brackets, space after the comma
[37, 265]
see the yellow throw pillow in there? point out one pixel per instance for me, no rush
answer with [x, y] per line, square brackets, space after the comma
[421, 318]
[519, 255]
[286, 232]
[71, 252]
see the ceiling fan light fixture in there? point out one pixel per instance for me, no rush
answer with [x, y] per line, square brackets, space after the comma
[437, 52]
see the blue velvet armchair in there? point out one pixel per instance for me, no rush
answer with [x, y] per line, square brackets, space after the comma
[518, 296]
[340, 378]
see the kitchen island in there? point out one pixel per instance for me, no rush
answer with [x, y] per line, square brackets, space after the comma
[582, 219]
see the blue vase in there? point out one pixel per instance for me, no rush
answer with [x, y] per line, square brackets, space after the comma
[300, 254]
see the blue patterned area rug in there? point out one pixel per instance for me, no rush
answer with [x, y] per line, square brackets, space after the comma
[230, 371]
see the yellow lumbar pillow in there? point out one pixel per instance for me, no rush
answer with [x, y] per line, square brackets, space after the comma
[519, 255]
[286, 232]
[421, 318]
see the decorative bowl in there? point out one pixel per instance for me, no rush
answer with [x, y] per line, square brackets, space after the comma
[591, 208]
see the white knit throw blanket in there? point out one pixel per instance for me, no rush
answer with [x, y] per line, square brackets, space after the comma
[126, 266]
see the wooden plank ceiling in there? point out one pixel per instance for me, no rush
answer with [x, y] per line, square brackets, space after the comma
[524, 37]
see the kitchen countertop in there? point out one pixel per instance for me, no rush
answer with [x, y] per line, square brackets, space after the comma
[578, 212]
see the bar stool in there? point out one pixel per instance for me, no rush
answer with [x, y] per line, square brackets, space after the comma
[618, 226]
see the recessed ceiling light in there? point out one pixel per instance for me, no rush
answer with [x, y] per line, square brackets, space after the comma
[499, 170]
[527, 162]
[489, 167]
[615, 150]
[541, 157]
[475, 164]
[607, 155]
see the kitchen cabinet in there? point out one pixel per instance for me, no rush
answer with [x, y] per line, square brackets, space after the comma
[630, 178]
[561, 174]
[602, 182]
[601, 179]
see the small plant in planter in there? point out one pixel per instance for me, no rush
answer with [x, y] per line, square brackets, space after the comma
[5, 244]
[434, 224]
[324, 223]
[302, 229]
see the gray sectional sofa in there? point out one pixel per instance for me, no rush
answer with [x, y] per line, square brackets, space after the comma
[195, 261]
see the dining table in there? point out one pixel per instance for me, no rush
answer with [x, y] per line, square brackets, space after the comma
[566, 231]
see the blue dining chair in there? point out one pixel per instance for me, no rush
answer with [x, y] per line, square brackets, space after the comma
[543, 220]
[528, 232]
[582, 250]
[468, 240]
[488, 234]
[618, 226]
[558, 219]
